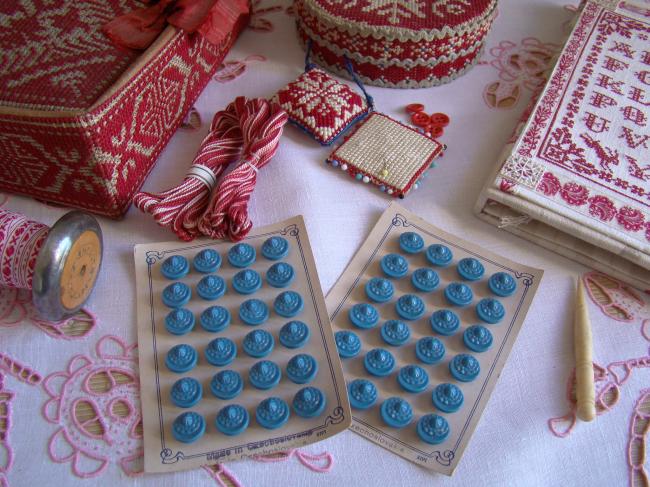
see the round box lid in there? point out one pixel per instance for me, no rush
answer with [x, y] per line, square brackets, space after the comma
[404, 19]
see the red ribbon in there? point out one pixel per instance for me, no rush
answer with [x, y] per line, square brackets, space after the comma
[213, 19]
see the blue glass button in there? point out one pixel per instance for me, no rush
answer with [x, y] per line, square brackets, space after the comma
[272, 413]
[264, 374]
[379, 290]
[215, 318]
[448, 398]
[439, 255]
[188, 427]
[176, 295]
[241, 255]
[477, 338]
[207, 261]
[470, 269]
[186, 392]
[309, 402]
[226, 384]
[413, 378]
[258, 343]
[247, 281]
[429, 350]
[379, 362]
[363, 315]
[179, 321]
[221, 351]
[294, 334]
[425, 280]
[394, 265]
[232, 420]
[175, 267]
[490, 310]
[410, 307]
[395, 332]
[347, 343]
[363, 394]
[433, 429]
[502, 284]
[275, 248]
[396, 412]
[445, 322]
[302, 368]
[411, 242]
[211, 287]
[464, 367]
[288, 304]
[280, 275]
[459, 294]
[181, 358]
[253, 312]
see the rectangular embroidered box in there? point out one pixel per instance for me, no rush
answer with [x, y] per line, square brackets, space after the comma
[82, 121]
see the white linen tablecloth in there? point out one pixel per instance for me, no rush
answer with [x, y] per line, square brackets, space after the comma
[512, 444]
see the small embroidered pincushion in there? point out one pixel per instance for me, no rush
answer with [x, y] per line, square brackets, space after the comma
[386, 153]
[320, 105]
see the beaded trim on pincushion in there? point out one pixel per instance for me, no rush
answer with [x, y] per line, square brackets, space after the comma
[387, 153]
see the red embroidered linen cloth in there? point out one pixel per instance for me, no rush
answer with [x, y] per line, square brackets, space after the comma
[577, 179]
[81, 121]
[396, 43]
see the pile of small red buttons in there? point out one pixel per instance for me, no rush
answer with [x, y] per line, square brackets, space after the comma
[432, 125]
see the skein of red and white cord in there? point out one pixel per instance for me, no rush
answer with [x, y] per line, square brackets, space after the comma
[261, 123]
[181, 207]
[248, 131]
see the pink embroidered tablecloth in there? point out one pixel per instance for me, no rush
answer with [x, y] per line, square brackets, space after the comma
[69, 398]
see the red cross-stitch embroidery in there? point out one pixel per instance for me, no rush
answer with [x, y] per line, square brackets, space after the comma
[320, 105]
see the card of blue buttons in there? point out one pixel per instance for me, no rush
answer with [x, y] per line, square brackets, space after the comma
[268, 373]
[420, 320]
[414, 378]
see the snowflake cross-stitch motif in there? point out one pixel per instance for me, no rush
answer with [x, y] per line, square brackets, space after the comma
[396, 9]
[442, 8]
[320, 105]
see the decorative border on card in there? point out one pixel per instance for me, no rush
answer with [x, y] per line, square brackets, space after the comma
[336, 416]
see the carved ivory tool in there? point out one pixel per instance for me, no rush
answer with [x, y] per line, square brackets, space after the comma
[585, 394]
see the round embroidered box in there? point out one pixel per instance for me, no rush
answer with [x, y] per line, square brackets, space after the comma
[396, 43]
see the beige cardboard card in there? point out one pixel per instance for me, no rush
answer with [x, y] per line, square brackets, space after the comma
[350, 290]
[163, 453]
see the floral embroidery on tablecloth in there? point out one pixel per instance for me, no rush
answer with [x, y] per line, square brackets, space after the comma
[95, 404]
[192, 120]
[6, 452]
[316, 462]
[520, 66]
[621, 303]
[258, 21]
[16, 307]
[23, 373]
[231, 70]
